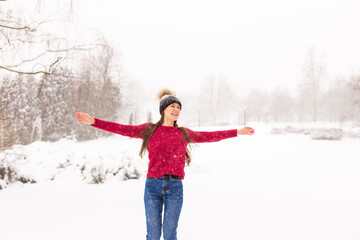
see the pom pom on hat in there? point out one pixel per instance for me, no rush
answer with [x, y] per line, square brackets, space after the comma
[165, 91]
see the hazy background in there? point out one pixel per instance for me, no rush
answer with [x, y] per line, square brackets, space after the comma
[253, 43]
[230, 62]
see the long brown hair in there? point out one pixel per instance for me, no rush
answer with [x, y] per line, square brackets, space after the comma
[149, 131]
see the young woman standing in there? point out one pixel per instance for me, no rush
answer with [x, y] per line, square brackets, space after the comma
[166, 144]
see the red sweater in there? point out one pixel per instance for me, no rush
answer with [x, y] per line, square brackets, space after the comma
[166, 147]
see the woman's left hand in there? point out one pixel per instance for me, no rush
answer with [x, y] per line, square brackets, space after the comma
[246, 131]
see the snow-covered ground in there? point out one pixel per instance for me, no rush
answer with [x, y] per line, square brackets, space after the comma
[256, 187]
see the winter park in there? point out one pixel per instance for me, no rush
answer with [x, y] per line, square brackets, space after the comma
[243, 118]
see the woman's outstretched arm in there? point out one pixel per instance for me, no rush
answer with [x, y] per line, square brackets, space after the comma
[135, 131]
[214, 136]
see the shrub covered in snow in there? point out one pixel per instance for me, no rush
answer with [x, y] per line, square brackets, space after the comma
[277, 131]
[327, 134]
[8, 170]
[125, 169]
[352, 133]
[68, 160]
[290, 129]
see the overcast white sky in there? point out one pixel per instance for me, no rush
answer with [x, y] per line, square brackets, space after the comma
[256, 43]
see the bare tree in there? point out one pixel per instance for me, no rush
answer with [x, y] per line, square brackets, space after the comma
[216, 97]
[309, 88]
[257, 105]
[336, 101]
[43, 108]
[343, 100]
[99, 91]
[28, 42]
[43, 89]
[354, 96]
[281, 105]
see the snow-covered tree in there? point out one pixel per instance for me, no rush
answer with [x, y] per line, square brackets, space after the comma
[17, 109]
[56, 104]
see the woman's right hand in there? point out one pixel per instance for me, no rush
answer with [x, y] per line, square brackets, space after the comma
[84, 118]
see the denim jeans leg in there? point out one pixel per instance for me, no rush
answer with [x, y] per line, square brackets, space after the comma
[173, 206]
[153, 200]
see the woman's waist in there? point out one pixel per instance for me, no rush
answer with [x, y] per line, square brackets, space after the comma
[167, 177]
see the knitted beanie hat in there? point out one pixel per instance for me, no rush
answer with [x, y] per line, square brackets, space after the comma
[166, 98]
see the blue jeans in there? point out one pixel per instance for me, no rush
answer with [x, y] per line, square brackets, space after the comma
[158, 193]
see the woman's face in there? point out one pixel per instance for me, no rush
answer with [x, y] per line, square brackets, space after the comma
[172, 112]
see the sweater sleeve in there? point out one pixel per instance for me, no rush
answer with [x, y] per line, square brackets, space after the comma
[135, 131]
[215, 136]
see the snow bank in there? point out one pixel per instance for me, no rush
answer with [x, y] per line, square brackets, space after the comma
[318, 133]
[327, 134]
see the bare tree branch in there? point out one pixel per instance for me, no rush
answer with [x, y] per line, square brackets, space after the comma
[53, 64]
[25, 61]
[17, 28]
[83, 47]
[33, 72]
[7, 39]
[76, 48]
[26, 27]
[21, 72]
[20, 38]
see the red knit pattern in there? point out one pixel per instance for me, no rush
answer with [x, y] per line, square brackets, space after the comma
[167, 147]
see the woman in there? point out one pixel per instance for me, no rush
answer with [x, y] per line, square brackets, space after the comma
[166, 144]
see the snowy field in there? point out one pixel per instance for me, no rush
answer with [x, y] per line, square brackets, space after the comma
[260, 187]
